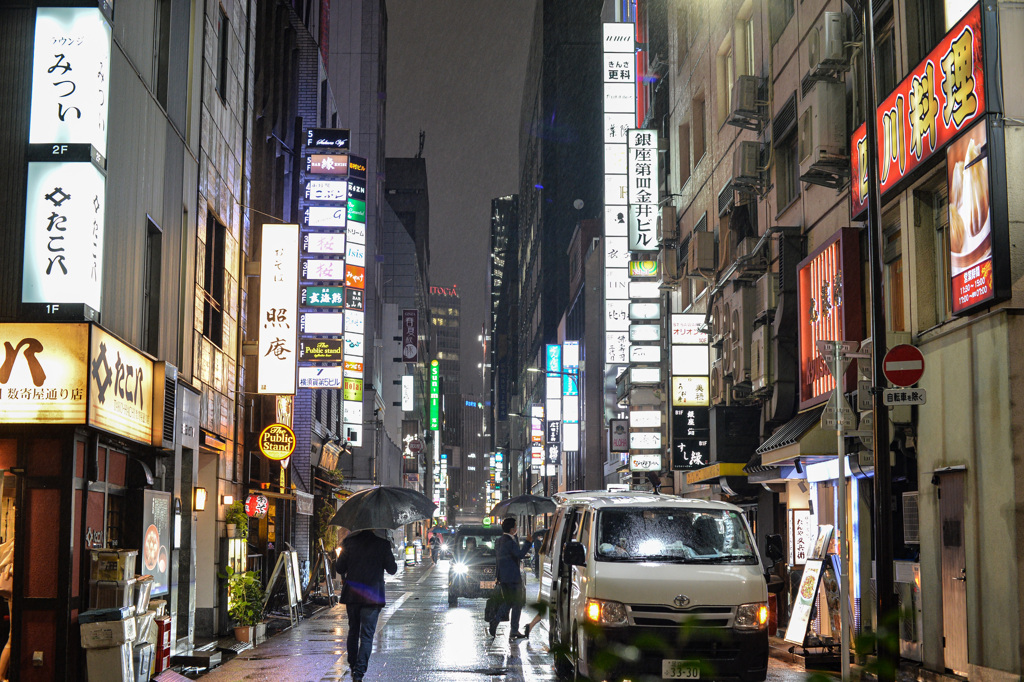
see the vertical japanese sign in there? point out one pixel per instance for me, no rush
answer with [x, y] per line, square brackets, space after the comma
[553, 405]
[536, 437]
[970, 220]
[408, 393]
[571, 396]
[619, 116]
[435, 395]
[120, 388]
[278, 309]
[690, 366]
[64, 212]
[410, 336]
[643, 189]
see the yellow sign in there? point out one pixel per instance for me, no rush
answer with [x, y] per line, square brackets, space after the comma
[120, 388]
[277, 442]
[43, 375]
[714, 471]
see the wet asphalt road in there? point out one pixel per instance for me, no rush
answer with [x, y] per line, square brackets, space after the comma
[419, 639]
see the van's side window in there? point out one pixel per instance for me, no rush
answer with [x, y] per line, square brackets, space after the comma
[549, 537]
[584, 534]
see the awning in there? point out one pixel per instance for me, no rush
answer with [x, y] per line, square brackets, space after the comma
[714, 471]
[801, 436]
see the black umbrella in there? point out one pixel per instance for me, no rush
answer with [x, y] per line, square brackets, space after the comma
[524, 504]
[383, 507]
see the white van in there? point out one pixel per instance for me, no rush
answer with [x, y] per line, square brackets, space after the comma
[643, 585]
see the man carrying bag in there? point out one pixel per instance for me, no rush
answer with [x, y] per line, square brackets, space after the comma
[509, 576]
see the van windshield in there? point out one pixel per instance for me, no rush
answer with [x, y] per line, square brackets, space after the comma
[673, 534]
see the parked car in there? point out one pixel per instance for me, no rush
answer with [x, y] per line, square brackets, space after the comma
[471, 571]
[627, 569]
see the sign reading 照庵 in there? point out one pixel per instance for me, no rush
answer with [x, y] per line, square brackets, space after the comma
[120, 387]
[277, 442]
[278, 310]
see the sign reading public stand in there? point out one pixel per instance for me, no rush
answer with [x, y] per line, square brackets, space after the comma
[277, 442]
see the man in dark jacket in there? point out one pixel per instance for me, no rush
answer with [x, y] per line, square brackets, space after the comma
[364, 557]
[508, 554]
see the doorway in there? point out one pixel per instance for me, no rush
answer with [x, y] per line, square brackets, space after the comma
[954, 570]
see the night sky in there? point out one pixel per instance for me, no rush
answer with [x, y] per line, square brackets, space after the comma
[456, 70]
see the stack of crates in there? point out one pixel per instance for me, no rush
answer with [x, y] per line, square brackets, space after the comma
[112, 578]
[163, 643]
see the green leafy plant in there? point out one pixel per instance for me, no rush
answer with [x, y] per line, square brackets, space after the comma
[245, 596]
[236, 515]
[324, 530]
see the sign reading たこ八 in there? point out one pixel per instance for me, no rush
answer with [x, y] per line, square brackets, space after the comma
[120, 388]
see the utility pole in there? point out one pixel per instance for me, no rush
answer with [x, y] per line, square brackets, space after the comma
[886, 598]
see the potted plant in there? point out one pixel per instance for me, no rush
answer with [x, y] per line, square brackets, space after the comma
[245, 601]
[237, 520]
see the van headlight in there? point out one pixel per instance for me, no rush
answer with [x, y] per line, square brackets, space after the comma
[605, 612]
[460, 568]
[751, 616]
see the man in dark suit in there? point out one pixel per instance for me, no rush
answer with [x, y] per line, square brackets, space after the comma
[509, 553]
[364, 557]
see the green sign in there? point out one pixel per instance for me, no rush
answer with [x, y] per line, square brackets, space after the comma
[435, 394]
[323, 297]
[486, 521]
[356, 210]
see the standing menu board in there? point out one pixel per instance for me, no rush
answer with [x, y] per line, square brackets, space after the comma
[803, 600]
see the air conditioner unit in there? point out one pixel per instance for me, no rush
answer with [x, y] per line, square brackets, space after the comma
[668, 264]
[767, 294]
[911, 519]
[825, 48]
[718, 327]
[741, 325]
[760, 359]
[668, 229]
[701, 258]
[749, 110]
[823, 146]
[746, 166]
[717, 381]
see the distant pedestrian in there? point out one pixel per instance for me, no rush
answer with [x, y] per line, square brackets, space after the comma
[365, 555]
[509, 577]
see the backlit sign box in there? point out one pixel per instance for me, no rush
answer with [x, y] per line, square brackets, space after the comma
[828, 286]
[278, 314]
[353, 389]
[690, 360]
[324, 242]
[410, 335]
[353, 299]
[689, 328]
[645, 311]
[407, 393]
[690, 391]
[325, 216]
[435, 390]
[45, 373]
[70, 78]
[645, 354]
[323, 297]
[354, 345]
[320, 377]
[322, 323]
[355, 277]
[645, 419]
[357, 189]
[355, 254]
[354, 321]
[356, 232]
[323, 270]
[354, 369]
[357, 210]
[356, 166]
[320, 350]
[327, 164]
[120, 388]
[333, 138]
[644, 440]
[327, 190]
[64, 220]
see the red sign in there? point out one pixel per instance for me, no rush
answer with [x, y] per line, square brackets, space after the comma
[943, 95]
[416, 446]
[970, 220]
[256, 505]
[859, 171]
[829, 308]
[355, 277]
[410, 335]
[903, 365]
[327, 164]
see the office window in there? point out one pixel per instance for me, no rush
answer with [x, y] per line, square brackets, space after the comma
[213, 281]
[787, 171]
[699, 139]
[744, 37]
[926, 26]
[151, 290]
[892, 255]
[682, 33]
[684, 153]
[725, 69]
[885, 57]
[222, 55]
[161, 50]
[323, 102]
[779, 14]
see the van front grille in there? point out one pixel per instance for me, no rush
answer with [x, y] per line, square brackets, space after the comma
[662, 615]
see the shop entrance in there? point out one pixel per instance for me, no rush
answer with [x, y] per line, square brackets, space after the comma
[8, 489]
[954, 570]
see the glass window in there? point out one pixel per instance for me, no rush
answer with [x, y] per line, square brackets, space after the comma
[684, 153]
[779, 14]
[673, 534]
[787, 172]
[893, 257]
[699, 141]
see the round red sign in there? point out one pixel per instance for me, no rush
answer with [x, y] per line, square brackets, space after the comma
[256, 505]
[416, 446]
[903, 365]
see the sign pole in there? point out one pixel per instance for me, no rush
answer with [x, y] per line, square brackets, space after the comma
[844, 578]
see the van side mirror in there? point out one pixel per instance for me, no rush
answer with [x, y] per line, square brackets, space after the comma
[773, 547]
[775, 583]
[574, 554]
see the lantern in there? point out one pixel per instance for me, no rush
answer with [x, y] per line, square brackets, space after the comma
[256, 505]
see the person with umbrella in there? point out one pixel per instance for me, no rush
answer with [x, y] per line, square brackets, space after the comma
[509, 576]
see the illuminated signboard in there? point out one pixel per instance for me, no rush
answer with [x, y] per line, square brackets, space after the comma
[44, 373]
[322, 323]
[354, 369]
[690, 360]
[353, 299]
[435, 388]
[325, 216]
[320, 377]
[332, 138]
[352, 411]
[355, 254]
[356, 210]
[688, 328]
[357, 189]
[354, 321]
[641, 289]
[120, 388]
[327, 164]
[410, 335]
[320, 350]
[859, 172]
[643, 195]
[278, 314]
[64, 219]
[353, 389]
[354, 345]
[691, 438]
[645, 354]
[688, 391]
[828, 286]
[643, 268]
[644, 461]
[323, 270]
[70, 78]
[327, 190]
[356, 232]
[277, 442]
[357, 166]
[323, 297]
[324, 242]
[355, 277]
[408, 392]
[645, 419]
[644, 440]
[645, 311]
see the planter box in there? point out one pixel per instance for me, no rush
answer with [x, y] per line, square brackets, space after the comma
[243, 633]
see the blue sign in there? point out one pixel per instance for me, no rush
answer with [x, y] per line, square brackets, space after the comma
[554, 357]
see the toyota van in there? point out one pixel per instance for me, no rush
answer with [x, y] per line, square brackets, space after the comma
[641, 585]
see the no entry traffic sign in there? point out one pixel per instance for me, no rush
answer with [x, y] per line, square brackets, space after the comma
[903, 365]
[416, 446]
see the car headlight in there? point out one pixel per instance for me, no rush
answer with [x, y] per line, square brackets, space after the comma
[460, 569]
[751, 616]
[444, 546]
[605, 612]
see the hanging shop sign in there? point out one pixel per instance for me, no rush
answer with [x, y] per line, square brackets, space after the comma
[690, 391]
[320, 350]
[939, 99]
[277, 442]
[353, 299]
[826, 312]
[278, 312]
[408, 392]
[323, 297]
[327, 164]
[323, 270]
[120, 387]
[619, 433]
[356, 211]
[356, 166]
[331, 138]
[256, 505]
[324, 242]
[410, 335]
[322, 323]
[320, 377]
[355, 277]
[353, 389]
[356, 232]
[44, 373]
[355, 254]
[645, 462]
[691, 438]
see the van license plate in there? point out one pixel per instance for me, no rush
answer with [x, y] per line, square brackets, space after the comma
[679, 670]
[487, 584]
